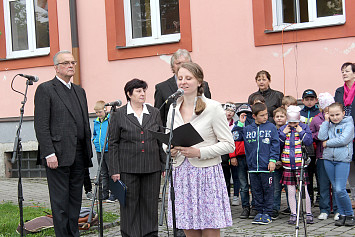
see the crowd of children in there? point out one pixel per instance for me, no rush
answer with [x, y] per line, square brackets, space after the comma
[271, 154]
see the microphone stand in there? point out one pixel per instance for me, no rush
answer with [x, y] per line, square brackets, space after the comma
[301, 194]
[98, 183]
[17, 153]
[169, 176]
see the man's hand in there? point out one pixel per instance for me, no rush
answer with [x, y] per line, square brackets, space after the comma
[189, 152]
[234, 161]
[271, 166]
[115, 177]
[242, 117]
[287, 129]
[52, 162]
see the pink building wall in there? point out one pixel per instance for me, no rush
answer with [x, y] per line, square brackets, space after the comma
[222, 42]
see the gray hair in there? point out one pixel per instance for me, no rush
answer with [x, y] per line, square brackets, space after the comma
[178, 54]
[55, 61]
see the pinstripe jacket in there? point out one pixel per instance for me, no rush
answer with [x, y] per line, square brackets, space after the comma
[131, 147]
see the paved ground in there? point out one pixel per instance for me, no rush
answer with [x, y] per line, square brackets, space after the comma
[36, 193]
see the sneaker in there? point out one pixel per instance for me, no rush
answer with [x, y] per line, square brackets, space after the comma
[341, 221]
[245, 213]
[235, 201]
[287, 211]
[275, 214]
[336, 216]
[292, 220]
[266, 219]
[253, 213]
[89, 196]
[323, 216]
[309, 218]
[349, 221]
[257, 218]
[111, 199]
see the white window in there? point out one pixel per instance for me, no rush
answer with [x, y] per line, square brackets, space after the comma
[150, 22]
[26, 28]
[301, 14]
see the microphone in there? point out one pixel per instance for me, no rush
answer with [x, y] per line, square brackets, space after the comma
[114, 103]
[29, 77]
[177, 94]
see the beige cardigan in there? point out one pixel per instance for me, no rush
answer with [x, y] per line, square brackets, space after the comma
[213, 127]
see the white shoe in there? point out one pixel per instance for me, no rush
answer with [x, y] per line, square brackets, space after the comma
[235, 201]
[336, 216]
[323, 216]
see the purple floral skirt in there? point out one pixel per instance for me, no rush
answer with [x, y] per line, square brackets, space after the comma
[201, 198]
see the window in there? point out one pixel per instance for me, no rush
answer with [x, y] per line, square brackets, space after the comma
[300, 14]
[26, 28]
[29, 168]
[151, 21]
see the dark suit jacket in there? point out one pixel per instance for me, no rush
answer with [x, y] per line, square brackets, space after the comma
[164, 89]
[131, 147]
[55, 124]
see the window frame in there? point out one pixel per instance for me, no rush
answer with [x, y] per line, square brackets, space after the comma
[117, 47]
[157, 37]
[33, 61]
[32, 50]
[314, 21]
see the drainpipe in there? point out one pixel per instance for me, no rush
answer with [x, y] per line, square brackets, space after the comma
[75, 40]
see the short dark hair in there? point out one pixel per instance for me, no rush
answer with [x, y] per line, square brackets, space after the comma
[337, 104]
[345, 65]
[257, 108]
[255, 97]
[134, 84]
[266, 73]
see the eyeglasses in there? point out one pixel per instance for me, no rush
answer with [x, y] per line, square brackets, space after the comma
[66, 63]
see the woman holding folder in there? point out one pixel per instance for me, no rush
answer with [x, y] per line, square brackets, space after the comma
[137, 159]
[201, 200]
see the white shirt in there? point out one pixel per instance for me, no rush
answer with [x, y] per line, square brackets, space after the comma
[66, 84]
[131, 111]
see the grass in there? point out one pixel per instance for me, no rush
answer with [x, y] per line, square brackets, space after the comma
[10, 218]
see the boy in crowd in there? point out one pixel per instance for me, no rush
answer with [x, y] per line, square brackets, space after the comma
[280, 120]
[287, 101]
[262, 150]
[308, 112]
[99, 135]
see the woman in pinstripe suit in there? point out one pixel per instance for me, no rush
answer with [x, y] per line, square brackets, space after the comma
[137, 158]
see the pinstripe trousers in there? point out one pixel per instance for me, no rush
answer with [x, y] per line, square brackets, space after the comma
[140, 215]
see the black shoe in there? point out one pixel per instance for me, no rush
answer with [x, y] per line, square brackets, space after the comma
[341, 221]
[245, 213]
[287, 211]
[180, 233]
[349, 221]
[275, 214]
[253, 213]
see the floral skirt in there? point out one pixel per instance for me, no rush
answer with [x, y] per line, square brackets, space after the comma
[201, 198]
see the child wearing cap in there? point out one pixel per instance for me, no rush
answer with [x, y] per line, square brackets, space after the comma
[325, 99]
[308, 112]
[292, 135]
[229, 165]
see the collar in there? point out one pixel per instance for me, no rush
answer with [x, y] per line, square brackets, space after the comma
[64, 83]
[265, 92]
[131, 111]
[106, 118]
[313, 108]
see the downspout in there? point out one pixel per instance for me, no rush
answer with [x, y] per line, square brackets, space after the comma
[75, 40]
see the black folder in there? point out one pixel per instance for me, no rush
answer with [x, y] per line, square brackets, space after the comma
[185, 136]
[119, 190]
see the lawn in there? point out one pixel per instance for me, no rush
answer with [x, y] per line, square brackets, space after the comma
[10, 218]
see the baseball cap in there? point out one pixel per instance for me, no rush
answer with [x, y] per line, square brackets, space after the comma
[309, 93]
[244, 108]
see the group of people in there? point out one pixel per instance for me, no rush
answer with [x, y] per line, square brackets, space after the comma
[202, 205]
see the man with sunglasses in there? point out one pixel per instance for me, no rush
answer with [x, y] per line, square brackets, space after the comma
[62, 128]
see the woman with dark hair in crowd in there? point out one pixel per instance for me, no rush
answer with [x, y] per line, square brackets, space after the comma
[345, 95]
[201, 200]
[137, 158]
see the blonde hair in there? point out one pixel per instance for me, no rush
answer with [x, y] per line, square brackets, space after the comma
[279, 110]
[197, 72]
[289, 100]
[100, 105]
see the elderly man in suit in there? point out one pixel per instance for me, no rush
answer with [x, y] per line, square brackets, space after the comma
[164, 89]
[61, 123]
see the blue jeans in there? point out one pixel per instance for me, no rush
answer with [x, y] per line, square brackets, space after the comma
[243, 180]
[324, 192]
[277, 189]
[338, 173]
[262, 188]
